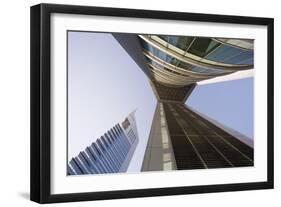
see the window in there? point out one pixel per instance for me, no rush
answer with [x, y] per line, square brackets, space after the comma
[245, 57]
[203, 46]
[224, 54]
[126, 123]
[172, 60]
[181, 42]
[184, 65]
[208, 71]
[164, 37]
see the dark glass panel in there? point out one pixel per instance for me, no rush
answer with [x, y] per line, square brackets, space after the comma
[184, 42]
[203, 46]
[184, 65]
[164, 37]
[178, 41]
[172, 60]
[213, 45]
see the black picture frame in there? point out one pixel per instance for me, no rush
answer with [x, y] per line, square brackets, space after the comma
[41, 99]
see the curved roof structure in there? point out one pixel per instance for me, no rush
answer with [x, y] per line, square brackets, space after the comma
[175, 64]
[179, 61]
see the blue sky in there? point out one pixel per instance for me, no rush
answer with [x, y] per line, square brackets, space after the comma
[229, 102]
[105, 85]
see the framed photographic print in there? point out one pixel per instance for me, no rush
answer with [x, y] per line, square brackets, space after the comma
[132, 103]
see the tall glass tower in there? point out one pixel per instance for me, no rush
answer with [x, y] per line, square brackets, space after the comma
[181, 138]
[111, 153]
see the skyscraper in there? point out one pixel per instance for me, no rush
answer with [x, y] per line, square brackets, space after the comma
[180, 138]
[111, 153]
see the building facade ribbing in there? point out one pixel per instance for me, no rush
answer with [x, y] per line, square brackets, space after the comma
[111, 153]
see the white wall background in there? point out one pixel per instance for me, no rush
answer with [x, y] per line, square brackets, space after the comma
[14, 104]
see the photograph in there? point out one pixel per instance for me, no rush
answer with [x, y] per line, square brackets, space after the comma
[129, 103]
[140, 103]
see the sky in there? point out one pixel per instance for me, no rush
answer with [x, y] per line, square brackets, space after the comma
[105, 85]
[229, 102]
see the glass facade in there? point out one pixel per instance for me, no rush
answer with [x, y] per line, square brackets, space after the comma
[181, 139]
[178, 41]
[204, 56]
[110, 153]
[203, 46]
[232, 55]
[199, 144]
[162, 55]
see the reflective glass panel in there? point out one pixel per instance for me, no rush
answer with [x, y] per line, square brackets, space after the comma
[164, 37]
[208, 71]
[203, 46]
[184, 65]
[224, 53]
[245, 57]
[172, 60]
[180, 42]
